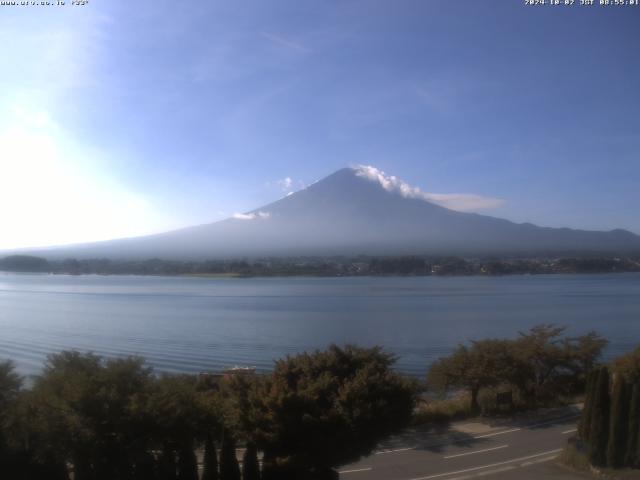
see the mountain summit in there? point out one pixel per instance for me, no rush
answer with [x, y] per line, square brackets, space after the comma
[358, 211]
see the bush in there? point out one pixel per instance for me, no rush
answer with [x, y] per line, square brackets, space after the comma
[443, 411]
[574, 458]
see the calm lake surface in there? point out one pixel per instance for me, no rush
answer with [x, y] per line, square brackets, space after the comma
[183, 324]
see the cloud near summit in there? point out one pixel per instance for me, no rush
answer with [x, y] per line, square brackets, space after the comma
[461, 202]
[251, 216]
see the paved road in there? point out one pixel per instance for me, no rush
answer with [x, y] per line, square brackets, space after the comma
[519, 448]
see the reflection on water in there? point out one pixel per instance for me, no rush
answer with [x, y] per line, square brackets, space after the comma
[193, 324]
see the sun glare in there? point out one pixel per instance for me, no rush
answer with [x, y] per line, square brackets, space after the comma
[52, 191]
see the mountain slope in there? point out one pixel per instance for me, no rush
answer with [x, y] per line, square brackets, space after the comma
[350, 213]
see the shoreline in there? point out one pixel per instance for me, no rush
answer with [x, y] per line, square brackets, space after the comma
[235, 275]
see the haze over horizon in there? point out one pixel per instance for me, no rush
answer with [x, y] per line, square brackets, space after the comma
[119, 121]
[358, 211]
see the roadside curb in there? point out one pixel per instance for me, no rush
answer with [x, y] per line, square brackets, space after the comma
[455, 433]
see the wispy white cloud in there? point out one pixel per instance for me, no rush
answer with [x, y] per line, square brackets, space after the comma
[251, 216]
[462, 202]
[285, 42]
[285, 183]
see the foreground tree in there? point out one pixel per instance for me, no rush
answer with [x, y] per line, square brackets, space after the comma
[484, 363]
[179, 415]
[10, 385]
[599, 429]
[107, 417]
[587, 410]
[241, 402]
[584, 352]
[629, 366]
[632, 457]
[11, 458]
[144, 467]
[82, 406]
[167, 464]
[187, 462]
[250, 465]
[541, 348]
[229, 468]
[210, 468]
[328, 408]
[541, 364]
[619, 424]
[556, 364]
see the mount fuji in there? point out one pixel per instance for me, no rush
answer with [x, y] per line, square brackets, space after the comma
[356, 211]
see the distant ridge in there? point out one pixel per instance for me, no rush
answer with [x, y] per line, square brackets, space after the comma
[350, 213]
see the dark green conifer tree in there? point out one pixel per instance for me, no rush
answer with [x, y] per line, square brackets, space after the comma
[229, 468]
[633, 445]
[167, 466]
[26, 467]
[599, 427]
[585, 421]
[269, 470]
[82, 469]
[210, 471]
[250, 466]
[619, 424]
[144, 467]
[187, 463]
[11, 463]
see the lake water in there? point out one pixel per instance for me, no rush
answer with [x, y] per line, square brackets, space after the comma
[183, 324]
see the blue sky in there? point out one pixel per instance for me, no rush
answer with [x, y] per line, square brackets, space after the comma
[124, 118]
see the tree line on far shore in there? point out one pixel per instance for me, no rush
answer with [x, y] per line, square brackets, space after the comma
[411, 265]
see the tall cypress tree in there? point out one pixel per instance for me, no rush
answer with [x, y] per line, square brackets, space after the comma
[187, 463]
[599, 427]
[210, 471]
[619, 424]
[82, 468]
[250, 466]
[144, 467]
[167, 466]
[585, 421]
[632, 458]
[49, 468]
[269, 468]
[229, 468]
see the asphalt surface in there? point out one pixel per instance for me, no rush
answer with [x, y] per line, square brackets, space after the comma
[522, 448]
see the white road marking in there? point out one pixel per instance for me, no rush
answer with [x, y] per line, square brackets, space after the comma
[570, 431]
[356, 470]
[477, 451]
[533, 425]
[446, 474]
[497, 470]
[540, 460]
[396, 450]
[497, 433]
